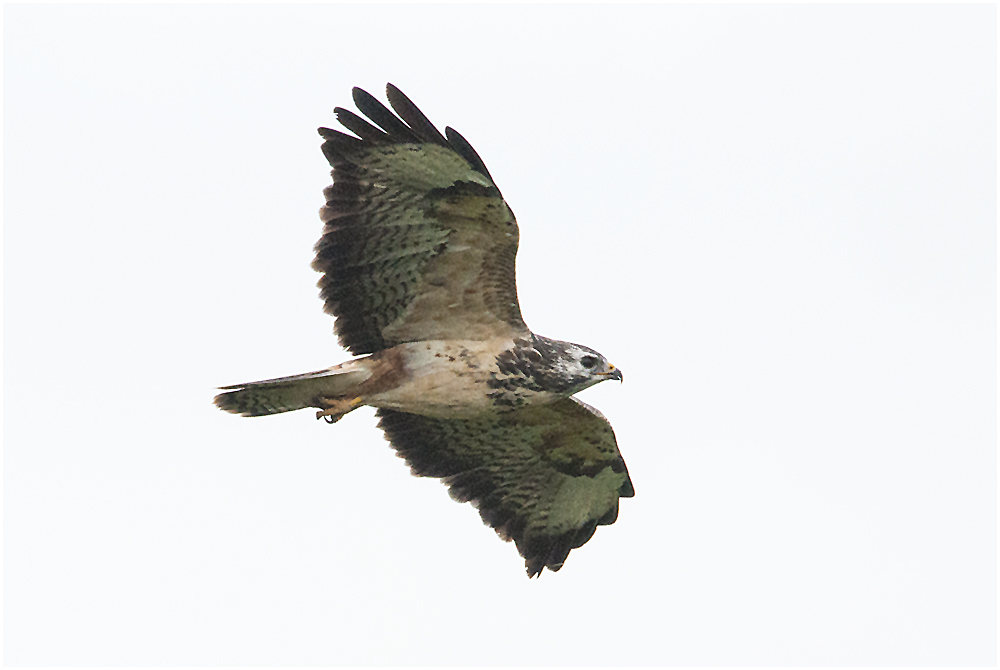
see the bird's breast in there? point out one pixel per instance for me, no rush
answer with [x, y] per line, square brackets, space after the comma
[447, 378]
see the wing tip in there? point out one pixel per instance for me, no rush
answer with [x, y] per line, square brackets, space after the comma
[227, 402]
[404, 123]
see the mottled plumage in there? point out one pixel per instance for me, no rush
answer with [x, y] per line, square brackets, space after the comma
[516, 469]
[418, 242]
[417, 255]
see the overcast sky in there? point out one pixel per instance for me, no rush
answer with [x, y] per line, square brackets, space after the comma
[779, 222]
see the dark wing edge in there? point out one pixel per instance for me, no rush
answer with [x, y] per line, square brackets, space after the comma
[543, 476]
[400, 189]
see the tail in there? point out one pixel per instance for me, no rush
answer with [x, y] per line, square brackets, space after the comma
[286, 394]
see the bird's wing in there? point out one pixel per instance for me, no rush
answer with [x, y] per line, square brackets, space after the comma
[418, 243]
[544, 476]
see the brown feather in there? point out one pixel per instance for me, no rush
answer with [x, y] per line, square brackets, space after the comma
[385, 119]
[544, 476]
[413, 117]
[418, 242]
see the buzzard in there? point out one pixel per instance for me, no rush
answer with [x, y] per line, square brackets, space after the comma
[417, 256]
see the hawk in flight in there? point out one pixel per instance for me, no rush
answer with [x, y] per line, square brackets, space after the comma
[417, 256]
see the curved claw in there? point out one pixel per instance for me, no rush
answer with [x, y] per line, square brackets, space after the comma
[337, 408]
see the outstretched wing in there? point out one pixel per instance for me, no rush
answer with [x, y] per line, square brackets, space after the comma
[544, 476]
[418, 242]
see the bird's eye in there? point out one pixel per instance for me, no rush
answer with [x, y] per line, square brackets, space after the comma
[588, 361]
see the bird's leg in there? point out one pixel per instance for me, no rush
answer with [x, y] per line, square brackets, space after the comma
[335, 408]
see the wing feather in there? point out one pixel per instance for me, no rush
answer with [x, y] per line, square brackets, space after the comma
[413, 117]
[418, 243]
[465, 150]
[544, 476]
[360, 127]
[383, 118]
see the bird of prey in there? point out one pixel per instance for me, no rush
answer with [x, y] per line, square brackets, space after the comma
[417, 256]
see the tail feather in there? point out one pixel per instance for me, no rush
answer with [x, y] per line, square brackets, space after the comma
[286, 394]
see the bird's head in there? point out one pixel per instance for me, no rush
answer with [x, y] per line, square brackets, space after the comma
[542, 364]
[585, 367]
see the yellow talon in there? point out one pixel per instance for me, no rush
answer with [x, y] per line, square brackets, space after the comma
[337, 409]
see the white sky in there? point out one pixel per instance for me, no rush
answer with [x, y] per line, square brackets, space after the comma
[779, 222]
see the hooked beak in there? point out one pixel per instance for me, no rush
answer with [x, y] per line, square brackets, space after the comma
[613, 373]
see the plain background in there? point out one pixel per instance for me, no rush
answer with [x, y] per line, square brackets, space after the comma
[780, 222]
